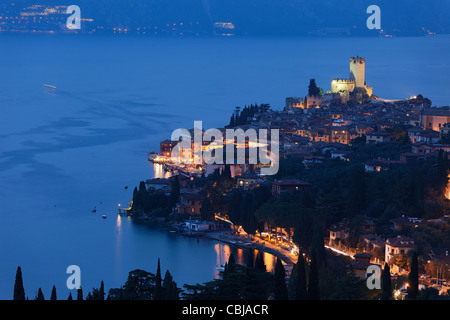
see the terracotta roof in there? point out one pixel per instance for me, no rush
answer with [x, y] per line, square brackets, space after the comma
[436, 112]
[400, 241]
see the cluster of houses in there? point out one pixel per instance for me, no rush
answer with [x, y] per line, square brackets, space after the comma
[191, 200]
[377, 250]
[317, 128]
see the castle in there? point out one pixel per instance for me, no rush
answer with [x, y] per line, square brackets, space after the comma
[342, 90]
[356, 81]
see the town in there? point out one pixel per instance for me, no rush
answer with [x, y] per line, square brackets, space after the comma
[367, 176]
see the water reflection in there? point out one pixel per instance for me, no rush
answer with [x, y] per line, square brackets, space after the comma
[223, 252]
[159, 171]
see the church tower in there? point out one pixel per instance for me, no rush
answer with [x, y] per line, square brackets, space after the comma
[357, 71]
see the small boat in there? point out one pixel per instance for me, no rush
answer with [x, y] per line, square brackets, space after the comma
[104, 216]
[49, 87]
[94, 210]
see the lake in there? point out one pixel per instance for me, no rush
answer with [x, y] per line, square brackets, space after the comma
[65, 151]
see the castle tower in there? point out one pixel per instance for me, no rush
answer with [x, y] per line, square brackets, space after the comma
[357, 71]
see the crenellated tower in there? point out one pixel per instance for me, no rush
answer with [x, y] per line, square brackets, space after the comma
[357, 71]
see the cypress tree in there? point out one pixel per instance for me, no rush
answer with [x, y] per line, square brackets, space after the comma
[102, 291]
[300, 284]
[40, 295]
[413, 278]
[174, 291]
[313, 283]
[234, 207]
[53, 295]
[80, 293]
[167, 285]
[174, 193]
[232, 121]
[259, 263]
[226, 174]
[318, 246]
[386, 285]
[158, 288]
[231, 263]
[280, 289]
[206, 211]
[248, 217]
[19, 291]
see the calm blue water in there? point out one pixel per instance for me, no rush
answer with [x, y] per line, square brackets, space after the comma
[64, 152]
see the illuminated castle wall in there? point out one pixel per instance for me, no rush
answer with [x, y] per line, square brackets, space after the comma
[357, 78]
[342, 85]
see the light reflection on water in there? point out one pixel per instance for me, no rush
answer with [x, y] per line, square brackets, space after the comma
[159, 171]
[224, 251]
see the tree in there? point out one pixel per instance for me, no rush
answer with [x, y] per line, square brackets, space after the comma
[80, 293]
[158, 295]
[140, 285]
[231, 263]
[19, 291]
[174, 292]
[313, 89]
[53, 295]
[174, 193]
[280, 289]
[102, 291]
[259, 263]
[349, 287]
[206, 211]
[300, 283]
[226, 174]
[248, 217]
[356, 200]
[99, 294]
[303, 233]
[413, 278]
[169, 287]
[318, 247]
[234, 207]
[313, 283]
[40, 295]
[386, 285]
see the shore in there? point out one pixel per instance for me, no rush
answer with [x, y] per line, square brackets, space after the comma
[255, 243]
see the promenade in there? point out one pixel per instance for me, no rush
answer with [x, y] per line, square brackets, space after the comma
[245, 241]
